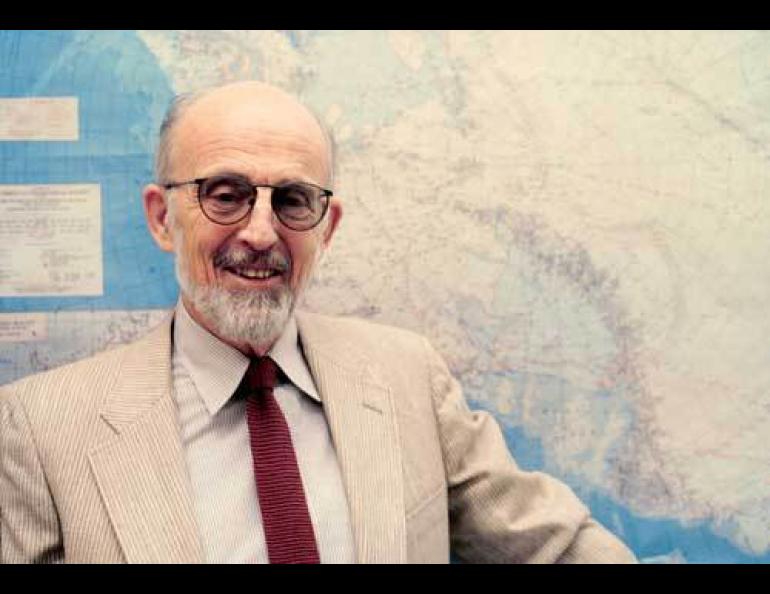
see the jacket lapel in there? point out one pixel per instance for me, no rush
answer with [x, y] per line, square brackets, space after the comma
[359, 408]
[140, 470]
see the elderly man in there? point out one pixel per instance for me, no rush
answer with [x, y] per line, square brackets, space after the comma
[242, 430]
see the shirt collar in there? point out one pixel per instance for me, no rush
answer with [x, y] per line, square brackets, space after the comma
[216, 368]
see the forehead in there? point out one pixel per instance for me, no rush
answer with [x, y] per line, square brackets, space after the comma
[255, 133]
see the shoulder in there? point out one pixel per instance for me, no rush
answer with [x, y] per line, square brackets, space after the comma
[399, 354]
[357, 333]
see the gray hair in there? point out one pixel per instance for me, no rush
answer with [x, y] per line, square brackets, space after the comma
[182, 102]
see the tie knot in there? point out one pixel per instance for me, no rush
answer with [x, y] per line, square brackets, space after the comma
[262, 373]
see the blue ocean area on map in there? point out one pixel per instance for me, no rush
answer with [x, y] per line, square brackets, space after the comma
[650, 538]
[122, 94]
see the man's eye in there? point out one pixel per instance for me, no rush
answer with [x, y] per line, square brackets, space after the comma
[224, 196]
[294, 198]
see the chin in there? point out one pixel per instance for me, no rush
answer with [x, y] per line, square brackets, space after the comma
[256, 317]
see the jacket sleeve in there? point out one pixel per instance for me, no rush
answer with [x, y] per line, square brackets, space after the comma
[29, 526]
[499, 513]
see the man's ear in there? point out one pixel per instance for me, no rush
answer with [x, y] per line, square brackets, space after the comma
[335, 214]
[156, 213]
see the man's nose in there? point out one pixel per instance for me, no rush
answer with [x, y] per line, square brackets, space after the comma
[259, 231]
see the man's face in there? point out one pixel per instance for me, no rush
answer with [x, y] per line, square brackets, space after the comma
[242, 281]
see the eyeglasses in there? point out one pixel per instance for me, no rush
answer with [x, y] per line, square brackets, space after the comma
[228, 199]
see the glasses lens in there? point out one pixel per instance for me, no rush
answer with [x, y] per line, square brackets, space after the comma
[225, 199]
[299, 206]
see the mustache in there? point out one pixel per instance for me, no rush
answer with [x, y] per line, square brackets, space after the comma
[239, 257]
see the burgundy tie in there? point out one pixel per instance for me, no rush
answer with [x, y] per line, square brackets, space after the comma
[285, 516]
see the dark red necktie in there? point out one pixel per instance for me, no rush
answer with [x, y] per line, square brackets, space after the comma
[285, 516]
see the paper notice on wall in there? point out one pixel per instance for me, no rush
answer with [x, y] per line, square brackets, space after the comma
[38, 118]
[23, 327]
[50, 240]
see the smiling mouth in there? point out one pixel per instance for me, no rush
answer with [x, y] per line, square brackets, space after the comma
[254, 273]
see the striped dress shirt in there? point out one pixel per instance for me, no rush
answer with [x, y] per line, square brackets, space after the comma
[215, 437]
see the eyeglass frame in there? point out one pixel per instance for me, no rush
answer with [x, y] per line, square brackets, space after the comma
[253, 200]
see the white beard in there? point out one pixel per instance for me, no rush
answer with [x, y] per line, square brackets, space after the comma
[254, 318]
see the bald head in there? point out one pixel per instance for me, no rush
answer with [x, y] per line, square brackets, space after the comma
[247, 105]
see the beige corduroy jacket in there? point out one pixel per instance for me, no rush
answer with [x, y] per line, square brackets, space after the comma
[92, 466]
